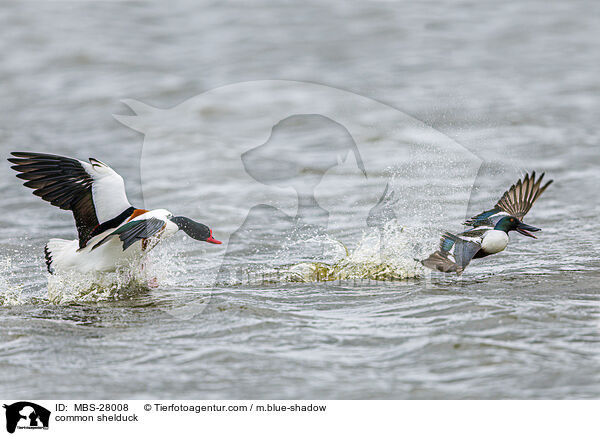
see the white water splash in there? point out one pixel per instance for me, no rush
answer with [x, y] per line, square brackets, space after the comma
[70, 287]
[159, 268]
[385, 254]
[10, 294]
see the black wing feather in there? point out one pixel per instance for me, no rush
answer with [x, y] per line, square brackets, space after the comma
[64, 183]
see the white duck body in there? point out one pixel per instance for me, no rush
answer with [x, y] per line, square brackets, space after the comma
[112, 233]
[66, 255]
[494, 241]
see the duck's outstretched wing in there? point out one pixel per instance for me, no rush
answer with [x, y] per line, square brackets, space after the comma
[517, 201]
[93, 191]
[455, 252]
[134, 231]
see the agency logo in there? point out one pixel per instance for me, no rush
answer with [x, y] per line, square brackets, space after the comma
[26, 415]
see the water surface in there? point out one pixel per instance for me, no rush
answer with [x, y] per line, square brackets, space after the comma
[508, 88]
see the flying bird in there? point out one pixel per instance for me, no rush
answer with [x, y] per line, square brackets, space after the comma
[489, 234]
[112, 232]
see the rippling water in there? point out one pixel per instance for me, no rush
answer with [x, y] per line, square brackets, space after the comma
[445, 105]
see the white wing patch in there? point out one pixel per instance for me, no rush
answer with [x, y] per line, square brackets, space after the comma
[108, 190]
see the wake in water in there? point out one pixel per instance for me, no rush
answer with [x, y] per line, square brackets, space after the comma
[387, 254]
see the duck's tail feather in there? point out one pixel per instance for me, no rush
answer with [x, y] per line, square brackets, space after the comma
[438, 261]
[53, 250]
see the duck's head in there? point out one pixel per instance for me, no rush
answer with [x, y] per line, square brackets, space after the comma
[195, 230]
[509, 223]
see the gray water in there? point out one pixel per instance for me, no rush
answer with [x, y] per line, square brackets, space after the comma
[447, 102]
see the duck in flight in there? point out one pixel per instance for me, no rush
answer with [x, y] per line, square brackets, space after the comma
[489, 233]
[112, 233]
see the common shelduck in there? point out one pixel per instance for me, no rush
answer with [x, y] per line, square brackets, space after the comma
[490, 228]
[112, 233]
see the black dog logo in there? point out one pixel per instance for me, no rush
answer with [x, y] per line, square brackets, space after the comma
[26, 415]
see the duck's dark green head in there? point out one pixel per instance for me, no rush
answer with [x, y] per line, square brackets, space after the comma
[509, 223]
